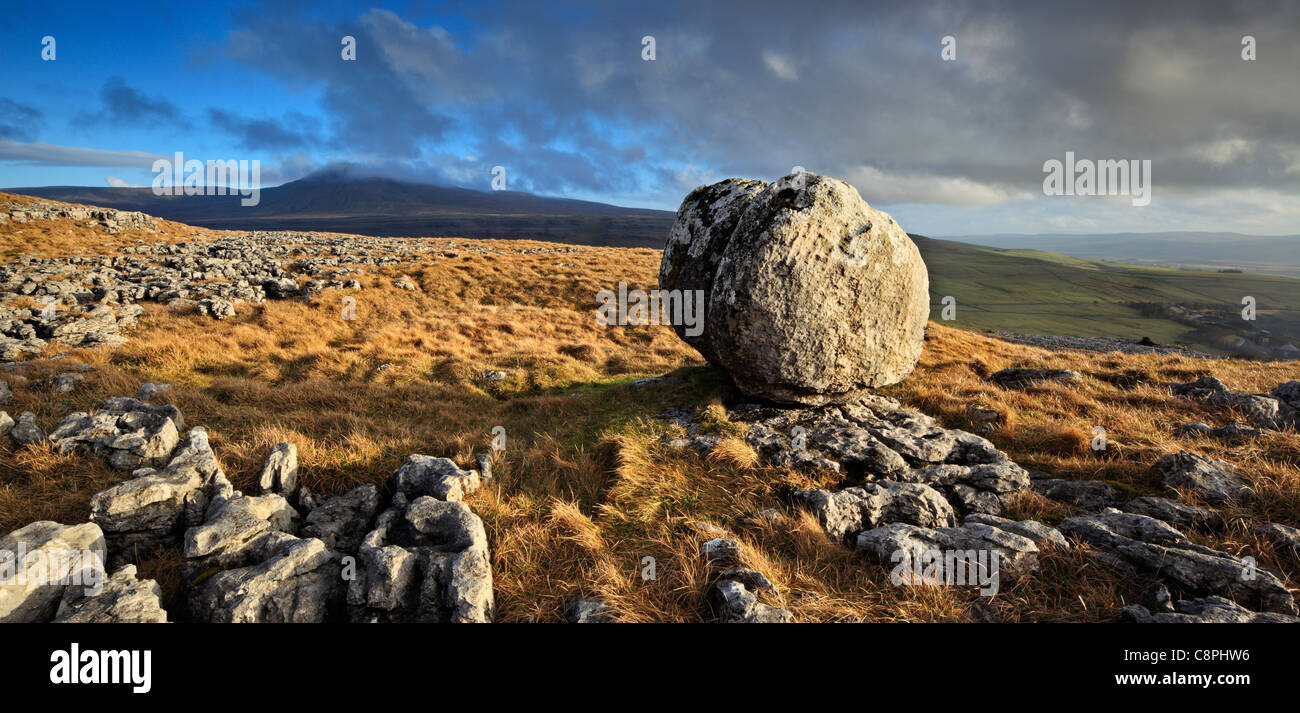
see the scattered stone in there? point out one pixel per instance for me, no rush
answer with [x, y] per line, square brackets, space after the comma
[426, 562]
[1284, 537]
[1171, 511]
[484, 461]
[342, 522]
[789, 270]
[280, 474]
[217, 308]
[1262, 410]
[71, 558]
[587, 611]
[150, 391]
[720, 549]
[5, 393]
[1150, 546]
[129, 434]
[1092, 495]
[124, 600]
[404, 283]
[1156, 598]
[1022, 378]
[65, 383]
[26, 432]
[436, 477]
[6, 423]
[493, 376]
[981, 613]
[735, 596]
[1214, 480]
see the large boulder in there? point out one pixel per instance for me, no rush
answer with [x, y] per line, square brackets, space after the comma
[810, 294]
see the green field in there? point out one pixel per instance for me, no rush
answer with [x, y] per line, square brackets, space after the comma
[1045, 293]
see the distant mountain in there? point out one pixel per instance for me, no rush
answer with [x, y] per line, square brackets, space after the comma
[385, 207]
[1275, 254]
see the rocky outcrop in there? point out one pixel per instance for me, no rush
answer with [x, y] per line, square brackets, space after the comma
[155, 506]
[291, 580]
[1171, 511]
[436, 477]
[875, 438]
[1091, 495]
[1275, 411]
[129, 434]
[1149, 546]
[1206, 610]
[1283, 537]
[280, 473]
[44, 562]
[342, 522]
[425, 561]
[735, 597]
[845, 513]
[810, 294]
[1213, 480]
[1232, 433]
[124, 600]
[1014, 555]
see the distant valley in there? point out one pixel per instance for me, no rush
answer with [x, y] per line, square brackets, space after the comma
[1270, 254]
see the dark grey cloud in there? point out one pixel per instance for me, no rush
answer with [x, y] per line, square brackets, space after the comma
[294, 130]
[18, 121]
[565, 102]
[121, 104]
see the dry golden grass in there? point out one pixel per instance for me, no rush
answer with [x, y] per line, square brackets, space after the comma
[586, 487]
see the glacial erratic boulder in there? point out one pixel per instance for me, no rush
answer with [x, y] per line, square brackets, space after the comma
[811, 295]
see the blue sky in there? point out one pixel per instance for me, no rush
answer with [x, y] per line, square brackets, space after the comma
[560, 95]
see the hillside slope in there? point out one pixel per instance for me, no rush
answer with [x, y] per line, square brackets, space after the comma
[1045, 293]
[1267, 254]
[385, 207]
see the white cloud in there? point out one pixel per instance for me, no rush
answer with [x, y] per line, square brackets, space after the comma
[877, 186]
[39, 154]
[1223, 151]
[116, 182]
[780, 65]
